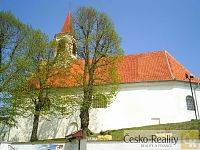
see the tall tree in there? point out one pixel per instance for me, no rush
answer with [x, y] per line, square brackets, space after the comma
[31, 91]
[98, 46]
[27, 64]
[12, 36]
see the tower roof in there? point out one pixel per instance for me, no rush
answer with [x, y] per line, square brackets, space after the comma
[67, 27]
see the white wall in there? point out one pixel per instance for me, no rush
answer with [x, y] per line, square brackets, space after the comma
[120, 145]
[49, 128]
[102, 145]
[135, 105]
[4, 146]
[51, 146]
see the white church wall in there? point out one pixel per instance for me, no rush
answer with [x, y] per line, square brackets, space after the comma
[49, 128]
[197, 96]
[135, 105]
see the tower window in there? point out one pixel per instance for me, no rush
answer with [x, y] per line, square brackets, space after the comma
[190, 102]
[61, 46]
[74, 49]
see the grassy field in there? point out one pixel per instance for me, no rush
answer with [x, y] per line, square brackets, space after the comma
[117, 135]
[59, 140]
[189, 125]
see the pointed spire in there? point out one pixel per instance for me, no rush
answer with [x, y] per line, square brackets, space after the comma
[67, 27]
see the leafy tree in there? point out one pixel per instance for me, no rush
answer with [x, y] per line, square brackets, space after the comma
[31, 91]
[98, 47]
[12, 36]
[27, 63]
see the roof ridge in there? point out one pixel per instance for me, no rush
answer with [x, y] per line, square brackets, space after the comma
[179, 63]
[169, 66]
[150, 52]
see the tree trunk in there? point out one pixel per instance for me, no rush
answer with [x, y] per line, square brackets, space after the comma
[35, 128]
[84, 116]
[0, 57]
[1, 48]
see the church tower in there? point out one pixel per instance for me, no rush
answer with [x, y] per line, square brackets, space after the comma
[66, 43]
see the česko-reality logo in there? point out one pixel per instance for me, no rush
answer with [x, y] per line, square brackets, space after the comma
[155, 138]
[163, 139]
[189, 139]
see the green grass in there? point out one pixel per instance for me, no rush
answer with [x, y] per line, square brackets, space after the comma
[59, 140]
[117, 135]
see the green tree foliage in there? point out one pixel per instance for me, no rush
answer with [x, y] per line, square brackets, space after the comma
[32, 93]
[98, 46]
[27, 64]
[12, 36]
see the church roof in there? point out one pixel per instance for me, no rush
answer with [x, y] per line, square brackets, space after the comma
[67, 27]
[152, 66]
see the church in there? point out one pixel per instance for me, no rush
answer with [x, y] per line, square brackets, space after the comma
[154, 89]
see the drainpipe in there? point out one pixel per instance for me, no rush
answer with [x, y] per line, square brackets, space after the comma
[79, 143]
[198, 85]
[190, 77]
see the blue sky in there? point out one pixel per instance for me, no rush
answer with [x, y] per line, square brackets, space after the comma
[143, 25]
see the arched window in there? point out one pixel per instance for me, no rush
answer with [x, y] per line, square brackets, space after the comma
[74, 49]
[190, 102]
[61, 46]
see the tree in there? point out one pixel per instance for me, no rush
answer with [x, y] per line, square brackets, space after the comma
[40, 60]
[31, 89]
[98, 46]
[12, 36]
[26, 65]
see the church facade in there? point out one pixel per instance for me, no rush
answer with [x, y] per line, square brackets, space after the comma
[153, 90]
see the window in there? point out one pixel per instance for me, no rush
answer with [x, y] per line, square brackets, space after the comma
[74, 49]
[61, 46]
[190, 102]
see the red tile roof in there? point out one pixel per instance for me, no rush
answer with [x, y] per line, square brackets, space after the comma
[153, 66]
